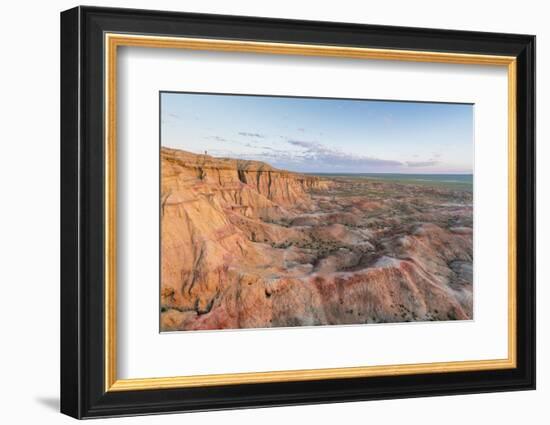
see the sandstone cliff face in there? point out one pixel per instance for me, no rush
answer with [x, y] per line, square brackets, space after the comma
[245, 245]
[203, 199]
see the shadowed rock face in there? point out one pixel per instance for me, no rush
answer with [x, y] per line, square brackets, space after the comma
[245, 245]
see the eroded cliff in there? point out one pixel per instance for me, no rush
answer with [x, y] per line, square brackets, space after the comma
[246, 245]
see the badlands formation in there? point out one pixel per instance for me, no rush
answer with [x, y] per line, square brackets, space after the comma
[245, 245]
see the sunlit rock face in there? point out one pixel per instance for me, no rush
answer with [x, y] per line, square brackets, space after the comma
[244, 245]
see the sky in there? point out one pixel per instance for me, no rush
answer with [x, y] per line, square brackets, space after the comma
[313, 135]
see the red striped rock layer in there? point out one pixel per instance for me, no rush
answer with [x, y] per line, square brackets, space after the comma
[245, 245]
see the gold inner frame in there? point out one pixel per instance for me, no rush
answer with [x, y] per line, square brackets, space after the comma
[113, 41]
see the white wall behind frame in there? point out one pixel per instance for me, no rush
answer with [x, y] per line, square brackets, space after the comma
[29, 224]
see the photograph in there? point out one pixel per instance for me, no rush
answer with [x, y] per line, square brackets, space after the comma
[279, 211]
[284, 210]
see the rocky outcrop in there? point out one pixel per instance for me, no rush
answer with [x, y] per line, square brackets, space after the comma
[240, 183]
[203, 202]
[246, 245]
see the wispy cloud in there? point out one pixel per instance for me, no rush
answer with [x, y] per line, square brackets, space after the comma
[322, 154]
[217, 138]
[305, 144]
[277, 158]
[429, 163]
[247, 134]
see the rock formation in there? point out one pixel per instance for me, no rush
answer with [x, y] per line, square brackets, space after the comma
[245, 245]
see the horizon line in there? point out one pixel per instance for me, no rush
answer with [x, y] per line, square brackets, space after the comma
[314, 172]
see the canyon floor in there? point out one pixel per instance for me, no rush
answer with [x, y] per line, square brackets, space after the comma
[245, 245]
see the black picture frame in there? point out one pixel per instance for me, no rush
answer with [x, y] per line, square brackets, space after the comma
[83, 392]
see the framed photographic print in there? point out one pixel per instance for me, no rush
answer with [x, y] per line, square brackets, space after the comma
[261, 212]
